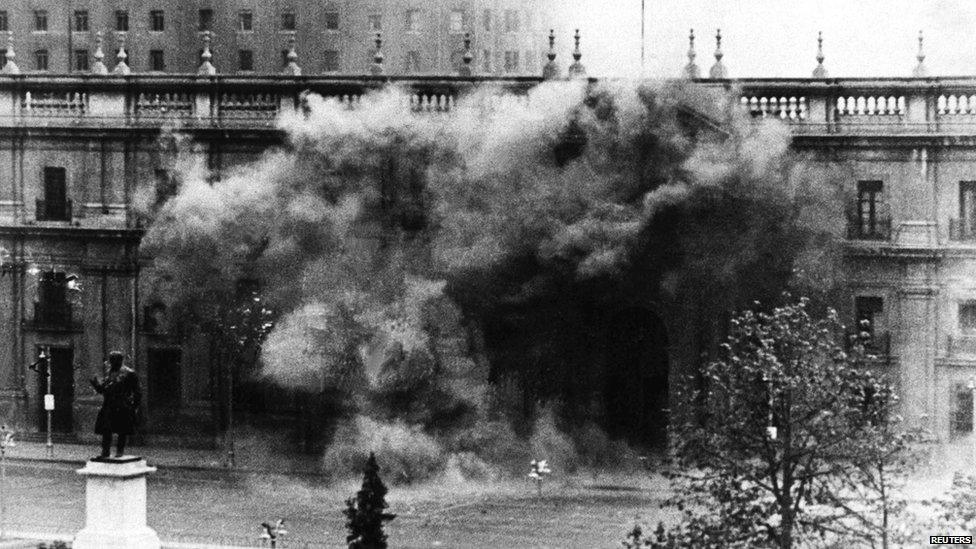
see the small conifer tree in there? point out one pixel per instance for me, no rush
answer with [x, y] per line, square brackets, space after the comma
[365, 513]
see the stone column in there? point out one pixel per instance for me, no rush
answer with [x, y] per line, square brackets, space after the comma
[915, 350]
[115, 505]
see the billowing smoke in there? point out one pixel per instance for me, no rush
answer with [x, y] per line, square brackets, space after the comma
[443, 279]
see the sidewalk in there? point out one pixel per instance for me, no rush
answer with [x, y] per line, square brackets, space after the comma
[172, 458]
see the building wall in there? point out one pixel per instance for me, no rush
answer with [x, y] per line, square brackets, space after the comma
[438, 44]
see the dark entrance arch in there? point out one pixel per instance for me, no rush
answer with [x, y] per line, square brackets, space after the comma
[635, 381]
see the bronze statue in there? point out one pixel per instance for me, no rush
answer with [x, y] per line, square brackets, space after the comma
[120, 409]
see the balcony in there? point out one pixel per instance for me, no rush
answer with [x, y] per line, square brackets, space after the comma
[877, 228]
[53, 316]
[961, 345]
[877, 345]
[53, 210]
[962, 230]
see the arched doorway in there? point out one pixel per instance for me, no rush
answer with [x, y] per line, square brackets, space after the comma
[635, 388]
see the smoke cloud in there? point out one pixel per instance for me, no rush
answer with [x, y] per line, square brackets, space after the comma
[441, 275]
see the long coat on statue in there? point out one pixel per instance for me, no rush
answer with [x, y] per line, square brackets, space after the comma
[120, 410]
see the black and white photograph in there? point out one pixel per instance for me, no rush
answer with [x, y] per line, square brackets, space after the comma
[541, 274]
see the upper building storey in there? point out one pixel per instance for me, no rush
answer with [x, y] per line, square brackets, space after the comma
[336, 36]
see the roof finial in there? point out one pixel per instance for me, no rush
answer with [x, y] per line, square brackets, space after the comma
[718, 69]
[820, 71]
[576, 70]
[377, 68]
[292, 67]
[98, 67]
[120, 65]
[206, 67]
[691, 69]
[465, 69]
[920, 70]
[9, 67]
[551, 70]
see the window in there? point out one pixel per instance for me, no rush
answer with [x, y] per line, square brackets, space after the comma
[157, 61]
[486, 20]
[530, 65]
[81, 60]
[284, 58]
[4, 22]
[376, 22]
[967, 317]
[511, 21]
[457, 21]
[81, 21]
[332, 19]
[511, 61]
[867, 313]
[121, 20]
[245, 60]
[164, 378]
[165, 186]
[412, 23]
[411, 62]
[966, 227]
[288, 21]
[245, 21]
[962, 409]
[40, 20]
[40, 60]
[55, 205]
[52, 307]
[871, 223]
[205, 21]
[157, 22]
[486, 61]
[330, 61]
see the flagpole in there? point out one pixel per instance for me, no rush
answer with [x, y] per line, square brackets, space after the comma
[642, 37]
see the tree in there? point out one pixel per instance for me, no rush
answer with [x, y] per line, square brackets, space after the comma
[793, 427]
[365, 513]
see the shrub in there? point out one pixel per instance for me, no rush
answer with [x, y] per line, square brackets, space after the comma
[365, 513]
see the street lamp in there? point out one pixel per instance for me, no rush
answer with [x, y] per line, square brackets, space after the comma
[972, 417]
[6, 441]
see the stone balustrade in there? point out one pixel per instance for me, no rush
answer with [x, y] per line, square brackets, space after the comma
[28, 100]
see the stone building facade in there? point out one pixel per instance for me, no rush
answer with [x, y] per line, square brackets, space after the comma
[74, 149]
[333, 37]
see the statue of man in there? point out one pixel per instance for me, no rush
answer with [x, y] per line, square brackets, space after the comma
[120, 409]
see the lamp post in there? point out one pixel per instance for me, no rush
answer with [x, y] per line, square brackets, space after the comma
[6, 441]
[48, 398]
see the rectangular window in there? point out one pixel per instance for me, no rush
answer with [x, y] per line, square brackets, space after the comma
[164, 378]
[511, 61]
[121, 20]
[245, 21]
[376, 22]
[868, 312]
[165, 186]
[872, 221]
[412, 23]
[284, 58]
[54, 206]
[40, 60]
[330, 61]
[157, 21]
[967, 317]
[511, 21]
[81, 21]
[205, 21]
[81, 60]
[4, 22]
[486, 61]
[411, 62]
[486, 20]
[245, 60]
[40, 20]
[332, 19]
[962, 409]
[966, 227]
[457, 21]
[157, 61]
[530, 65]
[288, 21]
[52, 307]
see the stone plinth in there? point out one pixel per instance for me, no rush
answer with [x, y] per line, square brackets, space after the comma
[115, 505]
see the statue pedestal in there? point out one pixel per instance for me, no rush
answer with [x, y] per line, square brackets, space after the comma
[115, 505]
